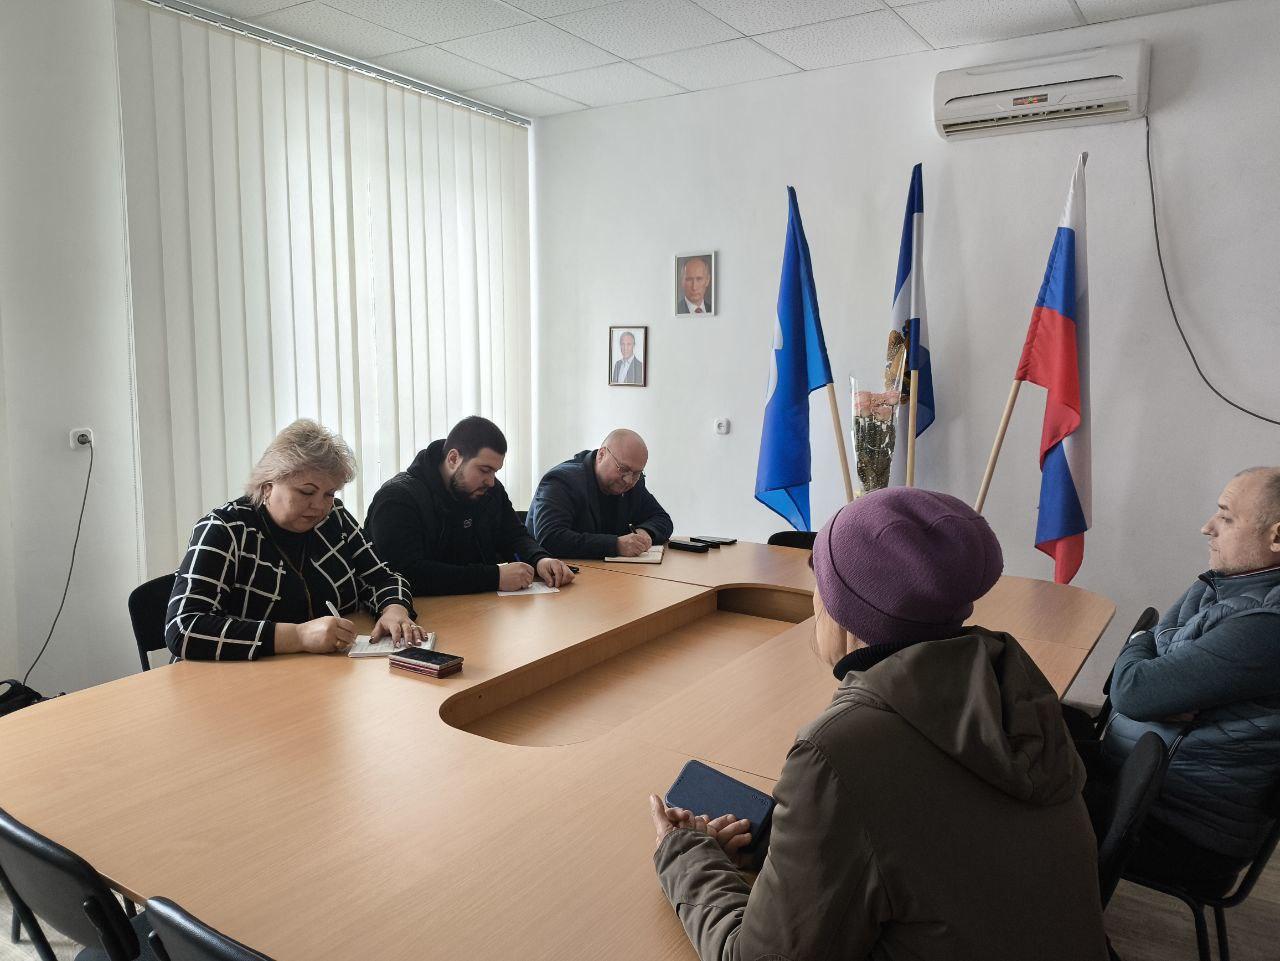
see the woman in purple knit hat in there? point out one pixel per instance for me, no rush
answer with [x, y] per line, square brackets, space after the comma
[933, 810]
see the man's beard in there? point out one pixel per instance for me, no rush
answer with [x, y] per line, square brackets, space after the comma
[460, 493]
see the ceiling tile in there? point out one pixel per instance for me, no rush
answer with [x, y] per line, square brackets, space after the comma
[435, 20]
[526, 99]
[641, 28]
[245, 9]
[614, 83]
[717, 65]
[442, 69]
[1096, 11]
[866, 37]
[950, 23]
[530, 50]
[752, 16]
[322, 25]
[554, 8]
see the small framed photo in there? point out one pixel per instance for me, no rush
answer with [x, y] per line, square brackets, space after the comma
[696, 283]
[628, 356]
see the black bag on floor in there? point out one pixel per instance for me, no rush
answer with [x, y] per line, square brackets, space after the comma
[14, 695]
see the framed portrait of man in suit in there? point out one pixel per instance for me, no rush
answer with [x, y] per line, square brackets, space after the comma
[696, 283]
[628, 357]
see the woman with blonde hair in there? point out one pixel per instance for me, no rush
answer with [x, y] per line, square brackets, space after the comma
[261, 571]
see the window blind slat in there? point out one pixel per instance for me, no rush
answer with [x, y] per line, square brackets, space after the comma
[307, 241]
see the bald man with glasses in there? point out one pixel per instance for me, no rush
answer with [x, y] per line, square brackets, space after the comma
[596, 503]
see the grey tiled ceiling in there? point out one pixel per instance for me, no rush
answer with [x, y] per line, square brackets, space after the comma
[541, 57]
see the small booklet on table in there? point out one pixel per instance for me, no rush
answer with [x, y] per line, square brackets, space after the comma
[652, 556]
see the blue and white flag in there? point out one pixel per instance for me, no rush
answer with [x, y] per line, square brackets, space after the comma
[800, 366]
[908, 303]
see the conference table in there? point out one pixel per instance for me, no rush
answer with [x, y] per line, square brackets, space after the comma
[329, 807]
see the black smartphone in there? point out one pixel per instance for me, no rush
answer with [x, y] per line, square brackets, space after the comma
[715, 541]
[704, 790]
[433, 658]
[684, 544]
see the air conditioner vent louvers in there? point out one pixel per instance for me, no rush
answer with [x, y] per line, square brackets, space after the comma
[1098, 85]
[1006, 120]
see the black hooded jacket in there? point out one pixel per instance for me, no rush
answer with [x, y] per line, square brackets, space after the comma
[440, 544]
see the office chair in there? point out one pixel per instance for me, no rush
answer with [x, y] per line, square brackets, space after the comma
[148, 608]
[1221, 899]
[1086, 729]
[45, 880]
[801, 539]
[521, 515]
[177, 935]
[1118, 822]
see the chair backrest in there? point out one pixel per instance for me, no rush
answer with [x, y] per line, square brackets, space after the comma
[521, 515]
[1134, 790]
[177, 935]
[64, 891]
[801, 539]
[148, 609]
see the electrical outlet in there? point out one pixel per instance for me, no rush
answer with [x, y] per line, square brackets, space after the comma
[81, 437]
[722, 425]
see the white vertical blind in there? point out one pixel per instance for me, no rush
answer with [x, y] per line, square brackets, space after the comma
[310, 242]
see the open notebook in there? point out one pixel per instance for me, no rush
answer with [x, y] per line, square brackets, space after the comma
[363, 647]
[652, 556]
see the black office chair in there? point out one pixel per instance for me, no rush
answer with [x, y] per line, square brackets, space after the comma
[801, 539]
[45, 880]
[1086, 729]
[521, 515]
[148, 607]
[177, 935]
[1223, 898]
[1118, 817]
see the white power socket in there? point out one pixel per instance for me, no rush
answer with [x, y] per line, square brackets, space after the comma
[81, 437]
[721, 425]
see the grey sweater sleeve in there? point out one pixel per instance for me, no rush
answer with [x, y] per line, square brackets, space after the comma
[1238, 660]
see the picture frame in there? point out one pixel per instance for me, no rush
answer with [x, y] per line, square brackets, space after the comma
[695, 276]
[628, 362]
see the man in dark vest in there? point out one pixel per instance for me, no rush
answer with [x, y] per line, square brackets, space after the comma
[596, 503]
[1211, 671]
[448, 526]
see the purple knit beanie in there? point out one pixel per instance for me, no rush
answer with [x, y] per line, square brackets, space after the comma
[905, 564]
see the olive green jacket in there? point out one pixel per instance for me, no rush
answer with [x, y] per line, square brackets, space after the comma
[932, 811]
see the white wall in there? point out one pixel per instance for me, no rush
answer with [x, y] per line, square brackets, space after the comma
[65, 342]
[620, 190]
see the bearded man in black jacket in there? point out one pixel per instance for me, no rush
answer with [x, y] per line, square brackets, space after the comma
[447, 523]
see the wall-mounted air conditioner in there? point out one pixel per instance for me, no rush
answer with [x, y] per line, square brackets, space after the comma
[1084, 86]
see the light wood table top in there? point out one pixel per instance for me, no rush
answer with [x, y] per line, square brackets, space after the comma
[327, 807]
[735, 565]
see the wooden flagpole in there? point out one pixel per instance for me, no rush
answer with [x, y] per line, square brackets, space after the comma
[914, 383]
[844, 454]
[911, 430]
[995, 448]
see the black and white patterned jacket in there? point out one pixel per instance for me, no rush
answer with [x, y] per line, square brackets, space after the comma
[231, 578]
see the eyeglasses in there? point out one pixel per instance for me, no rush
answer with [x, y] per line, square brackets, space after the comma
[625, 472]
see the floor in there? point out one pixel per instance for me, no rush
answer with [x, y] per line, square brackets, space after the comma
[1144, 926]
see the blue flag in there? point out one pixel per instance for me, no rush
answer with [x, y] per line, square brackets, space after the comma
[908, 303]
[800, 366]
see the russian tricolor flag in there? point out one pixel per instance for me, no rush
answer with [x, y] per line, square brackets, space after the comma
[908, 302]
[1056, 356]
